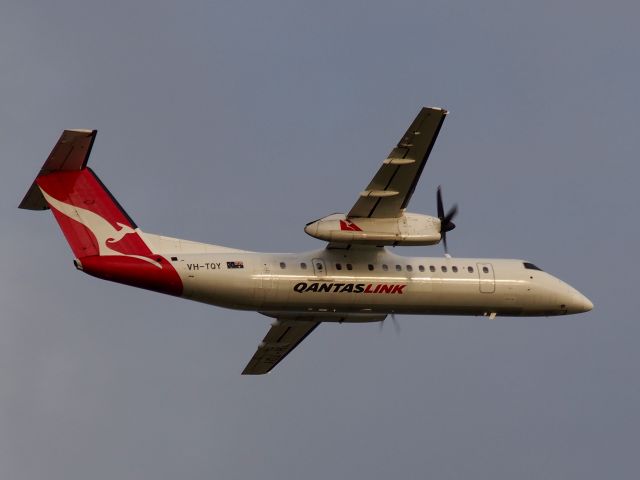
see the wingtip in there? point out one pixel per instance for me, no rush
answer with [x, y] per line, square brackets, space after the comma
[438, 109]
[81, 130]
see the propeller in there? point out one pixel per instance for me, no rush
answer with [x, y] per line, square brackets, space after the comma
[446, 225]
[394, 320]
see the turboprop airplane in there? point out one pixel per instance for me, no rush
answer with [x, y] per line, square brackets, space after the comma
[354, 278]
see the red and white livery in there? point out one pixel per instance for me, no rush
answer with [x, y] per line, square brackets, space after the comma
[355, 278]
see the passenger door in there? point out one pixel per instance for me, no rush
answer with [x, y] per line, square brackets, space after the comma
[319, 267]
[486, 277]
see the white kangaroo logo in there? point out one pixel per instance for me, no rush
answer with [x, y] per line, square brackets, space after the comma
[104, 232]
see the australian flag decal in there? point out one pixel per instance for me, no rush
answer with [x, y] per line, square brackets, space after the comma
[236, 264]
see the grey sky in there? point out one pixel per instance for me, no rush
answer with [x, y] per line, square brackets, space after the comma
[236, 123]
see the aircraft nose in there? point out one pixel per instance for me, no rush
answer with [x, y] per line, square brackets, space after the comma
[586, 305]
[577, 302]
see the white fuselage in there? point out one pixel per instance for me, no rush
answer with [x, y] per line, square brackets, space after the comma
[361, 285]
[354, 279]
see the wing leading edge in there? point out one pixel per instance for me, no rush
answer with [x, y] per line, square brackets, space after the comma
[390, 190]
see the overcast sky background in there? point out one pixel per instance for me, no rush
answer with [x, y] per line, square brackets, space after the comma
[236, 122]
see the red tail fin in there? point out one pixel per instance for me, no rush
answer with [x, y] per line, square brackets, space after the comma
[90, 218]
[102, 236]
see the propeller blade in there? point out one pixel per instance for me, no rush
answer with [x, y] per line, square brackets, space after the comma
[396, 325]
[446, 224]
[453, 211]
[394, 320]
[439, 200]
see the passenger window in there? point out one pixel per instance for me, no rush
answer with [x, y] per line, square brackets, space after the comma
[349, 266]
[338, 266]
[409, 268]
[432, 268]
[283, 265]
[444, 269]
[385, 267]
[398, 268]
[303, 266]
[455, 269]
[485, 269]
[421, 268]
[470, 269]
[370, 267]
[319, 266]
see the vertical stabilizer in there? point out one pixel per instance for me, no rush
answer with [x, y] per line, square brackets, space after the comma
[103, 238]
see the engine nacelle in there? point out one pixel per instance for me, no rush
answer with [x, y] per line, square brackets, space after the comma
[410, 229]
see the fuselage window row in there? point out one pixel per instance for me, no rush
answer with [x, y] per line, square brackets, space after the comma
[385, 267]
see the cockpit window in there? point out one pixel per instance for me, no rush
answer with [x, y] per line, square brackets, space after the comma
[531, 266]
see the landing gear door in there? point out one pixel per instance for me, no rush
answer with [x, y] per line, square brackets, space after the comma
[319, 268]
[487, 278]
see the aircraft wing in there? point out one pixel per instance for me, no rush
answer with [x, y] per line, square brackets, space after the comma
[390, 190]
[281, 339]
[288, 331]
